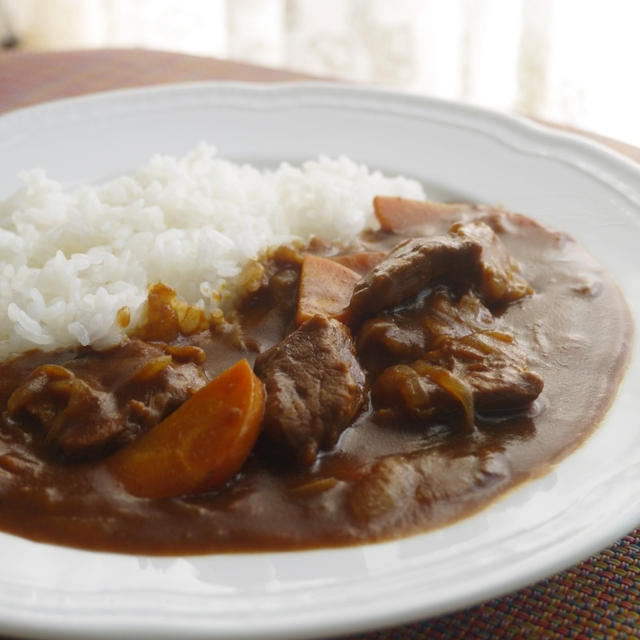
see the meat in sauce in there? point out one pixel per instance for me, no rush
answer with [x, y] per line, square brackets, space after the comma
[428, 373]
[99, 400]
[314, 386]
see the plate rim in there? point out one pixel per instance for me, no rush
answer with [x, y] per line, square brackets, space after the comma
[602, 162]
[571, 141]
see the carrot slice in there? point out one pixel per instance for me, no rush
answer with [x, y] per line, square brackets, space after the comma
[401, 214]
[325, 288]
[201, 445]
[360, 262]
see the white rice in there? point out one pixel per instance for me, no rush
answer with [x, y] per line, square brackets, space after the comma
[71, 258]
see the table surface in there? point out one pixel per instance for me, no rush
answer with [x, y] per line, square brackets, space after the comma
[598, 598]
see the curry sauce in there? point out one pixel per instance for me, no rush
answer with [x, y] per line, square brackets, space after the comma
[393, 467]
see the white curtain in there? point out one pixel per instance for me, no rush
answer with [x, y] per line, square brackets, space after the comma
[570, 61]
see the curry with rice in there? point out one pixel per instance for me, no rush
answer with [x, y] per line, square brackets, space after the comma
[348, 394]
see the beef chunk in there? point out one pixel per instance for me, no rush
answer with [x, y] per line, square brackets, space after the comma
[100, 400]
[398, 489]
[314, 385]
[485, 372]
[410, 267]
[448, 317]
[498, 276]
[388, 339]
[407, 334]
[470, 255]
[15, 370]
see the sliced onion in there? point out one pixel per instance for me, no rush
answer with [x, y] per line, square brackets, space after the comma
[455, 386]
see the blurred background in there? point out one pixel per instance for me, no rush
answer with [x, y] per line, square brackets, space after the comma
[574, 62]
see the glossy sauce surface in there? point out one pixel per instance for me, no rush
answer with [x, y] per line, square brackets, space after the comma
[381, 480]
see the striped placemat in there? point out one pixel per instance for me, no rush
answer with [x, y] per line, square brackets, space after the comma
[599, 598]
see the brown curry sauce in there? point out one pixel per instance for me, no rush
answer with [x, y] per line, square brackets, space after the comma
[382, 480]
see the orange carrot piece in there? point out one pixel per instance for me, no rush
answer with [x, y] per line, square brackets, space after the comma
[360, 262]
[400, 214]
[201, 445]
[325, 288]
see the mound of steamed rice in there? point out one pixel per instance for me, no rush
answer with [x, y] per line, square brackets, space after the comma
[71, 258]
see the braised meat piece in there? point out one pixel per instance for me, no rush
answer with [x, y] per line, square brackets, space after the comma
[314, 385]
[448, 317]
[100, 400]
[14, 371]
[413, 265]
[400, 487]
[471, 255]
[498, 275]
[406, 334]
[485, 372]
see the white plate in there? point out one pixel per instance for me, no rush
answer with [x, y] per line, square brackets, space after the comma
[585, 503]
